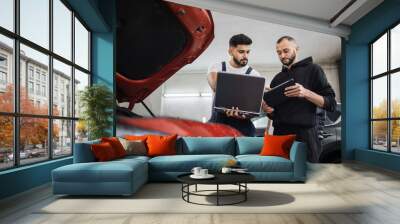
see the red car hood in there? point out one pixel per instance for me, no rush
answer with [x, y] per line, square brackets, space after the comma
[198, 26]
[154, 40]
[179, 126]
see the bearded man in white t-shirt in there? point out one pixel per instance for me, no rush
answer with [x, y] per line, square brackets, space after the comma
[239, 50]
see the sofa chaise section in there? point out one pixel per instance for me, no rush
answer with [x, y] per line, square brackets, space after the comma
[102, 178]
[87, 177]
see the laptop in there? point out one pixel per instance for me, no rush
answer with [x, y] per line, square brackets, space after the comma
[276, 95]
[242, 91]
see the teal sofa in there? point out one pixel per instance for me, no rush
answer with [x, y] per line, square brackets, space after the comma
[125, 176]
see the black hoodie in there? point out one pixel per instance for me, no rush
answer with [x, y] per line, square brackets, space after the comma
[300, 112]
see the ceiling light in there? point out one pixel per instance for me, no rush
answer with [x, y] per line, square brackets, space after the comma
[181, 94]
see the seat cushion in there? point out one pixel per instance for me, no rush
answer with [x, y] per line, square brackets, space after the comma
[184, 163]
[132, 160]
[257, 163]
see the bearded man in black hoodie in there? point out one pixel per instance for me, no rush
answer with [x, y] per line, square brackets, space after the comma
[297, 115]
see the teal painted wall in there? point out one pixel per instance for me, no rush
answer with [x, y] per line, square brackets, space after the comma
[100, 16]
[356, 104]
[355, 82]
[24, 178]
[89, 11]
[103, 52]
[103, 66]
[380, 159]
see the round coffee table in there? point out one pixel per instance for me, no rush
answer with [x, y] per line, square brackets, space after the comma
[238, 179]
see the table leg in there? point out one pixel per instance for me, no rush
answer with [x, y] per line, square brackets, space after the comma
[245, 193]
[217, 194]
[188, 190]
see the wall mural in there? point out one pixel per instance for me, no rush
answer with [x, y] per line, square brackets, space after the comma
[182, 33]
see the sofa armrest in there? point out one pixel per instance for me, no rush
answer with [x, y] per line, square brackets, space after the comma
[298, 155]
[83, 152]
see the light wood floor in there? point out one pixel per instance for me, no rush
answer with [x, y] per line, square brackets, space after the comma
[377, 188]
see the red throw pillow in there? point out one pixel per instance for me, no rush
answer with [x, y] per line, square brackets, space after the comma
[161, 145]
[277, 145]
[116, 145]
[103, 151]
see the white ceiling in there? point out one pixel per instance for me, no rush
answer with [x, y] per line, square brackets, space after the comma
[313, 15]
[320, 9]
[324, 48]
[308, 21]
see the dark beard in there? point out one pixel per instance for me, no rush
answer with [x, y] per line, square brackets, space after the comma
[239, 63]
[291, 60]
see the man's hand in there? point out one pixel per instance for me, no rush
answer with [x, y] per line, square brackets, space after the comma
[267, 109]
[297, 90]
[264, 106]
[234, 112]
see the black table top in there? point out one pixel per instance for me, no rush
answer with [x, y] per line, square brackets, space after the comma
[220, 178]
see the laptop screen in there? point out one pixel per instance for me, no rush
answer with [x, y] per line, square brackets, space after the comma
[243, 91]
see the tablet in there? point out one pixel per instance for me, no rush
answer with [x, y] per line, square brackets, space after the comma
[276, 95]
[242, 91]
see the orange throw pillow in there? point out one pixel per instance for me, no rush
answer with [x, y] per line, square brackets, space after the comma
[116, 145]
[103, 151]
[277, 145]
[136, 137]
[161, 145]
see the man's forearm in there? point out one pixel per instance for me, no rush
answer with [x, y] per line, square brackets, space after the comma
[212, 80]
[315, 98]
[212, 85]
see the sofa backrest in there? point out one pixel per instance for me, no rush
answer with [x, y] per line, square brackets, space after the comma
[206, 145]
[83, 152]
[249, 145]
[190, 146]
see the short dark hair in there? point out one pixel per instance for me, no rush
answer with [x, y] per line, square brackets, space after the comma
[289, 38]
[239, 39]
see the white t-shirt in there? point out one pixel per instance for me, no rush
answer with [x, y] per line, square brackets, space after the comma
[217, 67]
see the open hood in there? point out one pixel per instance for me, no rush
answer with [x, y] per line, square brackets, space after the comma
[154, 40]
